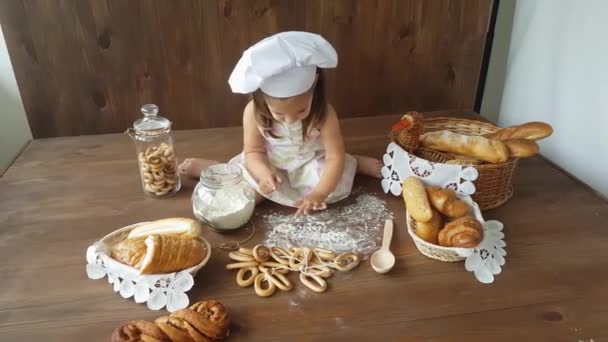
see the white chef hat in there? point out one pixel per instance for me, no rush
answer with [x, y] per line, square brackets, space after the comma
[282, 65]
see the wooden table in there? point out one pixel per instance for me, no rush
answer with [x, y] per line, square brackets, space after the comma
[62, 194]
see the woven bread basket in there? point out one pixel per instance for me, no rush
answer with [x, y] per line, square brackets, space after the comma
[447, 254]
[494, 185]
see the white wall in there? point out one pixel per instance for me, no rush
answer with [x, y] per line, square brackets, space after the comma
[557, 71]
[14, 129]
[497, 68]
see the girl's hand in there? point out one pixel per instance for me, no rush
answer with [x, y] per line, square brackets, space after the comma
[269, 182]
[314, 201]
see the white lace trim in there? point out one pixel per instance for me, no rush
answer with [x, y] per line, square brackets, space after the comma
[399, 164]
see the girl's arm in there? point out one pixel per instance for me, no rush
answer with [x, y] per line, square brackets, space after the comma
[334, 164]
[254, 149]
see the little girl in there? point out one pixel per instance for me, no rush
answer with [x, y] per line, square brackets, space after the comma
[293, 150]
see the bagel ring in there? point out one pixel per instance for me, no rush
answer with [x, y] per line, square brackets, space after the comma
[319, 270]
[279, 280]
[346, 261]
[258, 282]
[237, 256]
[317, 283]
[158, 175]
[280, 255]
[246, 282]
[300, 258]
[241, 264]
[148, 177]
[168, 151]
[247, 251]
[261, 253]
[273, 270]
[325, 254]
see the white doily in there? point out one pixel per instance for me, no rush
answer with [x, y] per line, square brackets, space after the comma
[156, 290]
[486, 260]
[399, 164]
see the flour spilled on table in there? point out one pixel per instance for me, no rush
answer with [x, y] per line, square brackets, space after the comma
[352, 227]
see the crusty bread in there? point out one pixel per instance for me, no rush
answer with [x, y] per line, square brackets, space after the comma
[175, 225]
[171, 253]
[521, 148]
[491, 151]
[530, 131]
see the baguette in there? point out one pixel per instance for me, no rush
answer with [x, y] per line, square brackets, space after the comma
[415, 199]
[521, 148]
[530, 131]
[460, 159]
[492, 151]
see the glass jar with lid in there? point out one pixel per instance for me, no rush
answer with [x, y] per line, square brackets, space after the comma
[222, 198]
[155, 153]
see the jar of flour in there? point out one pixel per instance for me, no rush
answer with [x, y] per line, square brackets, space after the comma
[222, 198]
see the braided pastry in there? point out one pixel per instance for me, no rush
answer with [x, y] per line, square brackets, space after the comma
[209, 317]
[202, 322]
[139, 331]
[179, 330]
[465, 232]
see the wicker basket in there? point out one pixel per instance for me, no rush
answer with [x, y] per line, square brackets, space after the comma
[494, 186]
[409, 138]
[447, 254]
[124, 277]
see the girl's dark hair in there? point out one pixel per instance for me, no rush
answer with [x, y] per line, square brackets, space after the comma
[318, 109]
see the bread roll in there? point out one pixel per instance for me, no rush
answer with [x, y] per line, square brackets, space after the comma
[429, 231]
[171, 253]
[447, 202]
[530, 131]
[491, 151]
[175, 225]
[416, 201]
[465, 232]
[521, 148]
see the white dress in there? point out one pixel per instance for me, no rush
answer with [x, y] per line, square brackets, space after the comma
[300, 163]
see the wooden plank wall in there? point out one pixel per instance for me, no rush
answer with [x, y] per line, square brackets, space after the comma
[85, 66]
